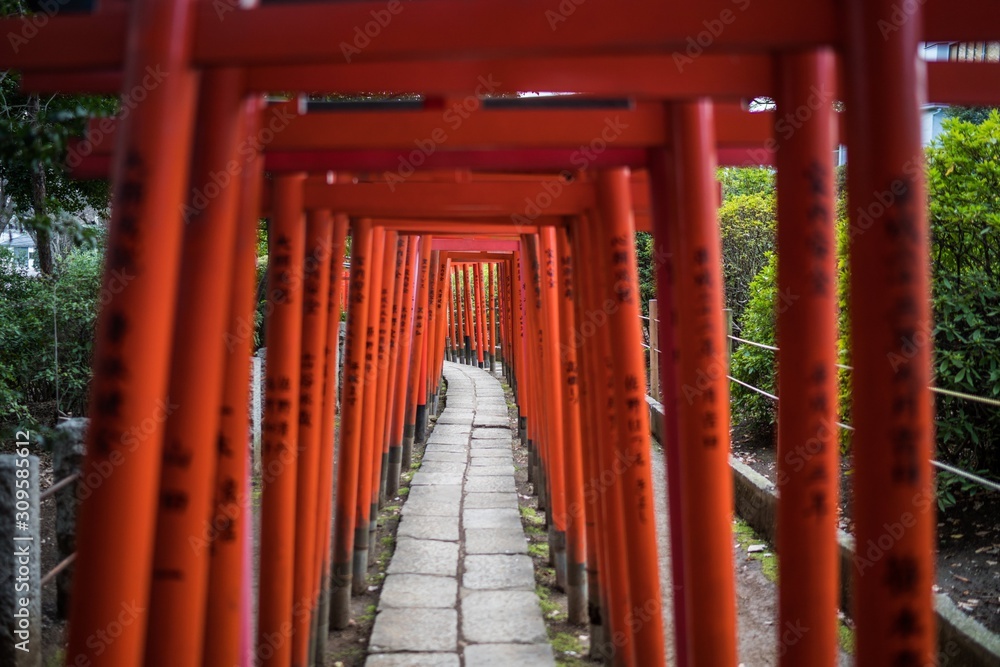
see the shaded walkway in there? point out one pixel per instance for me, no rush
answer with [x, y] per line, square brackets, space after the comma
[460, 581]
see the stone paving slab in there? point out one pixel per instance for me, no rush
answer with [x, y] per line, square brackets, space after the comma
[459, 447]
[454, 416]
[490, 401]
[404, 591]
[491, 443]
[485, 408]
[412, 660]
[437, 455]
[421, 478]
[489, 387]
[406, 630]
[505, 655]
[491, 471]
[494, 617]
[499, 572]
[491, 518]
[437, 438]
[490, 484]
[491, 432]
[480, 459]
[429, 507]
[451, 429]
[443, 467]
[495, 541]
[484, 419]
[490, 453]
[429, 527]
[489, 500]
[441, 492]
[414, 556]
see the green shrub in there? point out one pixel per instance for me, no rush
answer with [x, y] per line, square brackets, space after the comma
[747, 226]
[963, 175]
[42, 317]
[754, 365]
[964, 187]
[745, 181]
[758, 367]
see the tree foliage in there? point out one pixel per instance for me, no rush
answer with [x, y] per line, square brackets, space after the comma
[36, 191]
[974, 115]
[746, 181]
[645, 257]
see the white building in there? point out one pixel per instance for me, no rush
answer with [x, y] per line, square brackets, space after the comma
[933, 114]
[23, 247]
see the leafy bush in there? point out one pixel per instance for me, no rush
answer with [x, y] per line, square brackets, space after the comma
[963, 168]
[758, 366]
[754, 365]
[963, 174]
[42, 317]
[747, 227]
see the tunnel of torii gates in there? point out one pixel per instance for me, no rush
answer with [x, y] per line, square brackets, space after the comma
[511, 224]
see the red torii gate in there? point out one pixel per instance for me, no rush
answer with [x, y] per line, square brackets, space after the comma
[877, 40]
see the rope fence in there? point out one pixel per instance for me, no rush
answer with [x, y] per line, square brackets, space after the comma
[965, 474]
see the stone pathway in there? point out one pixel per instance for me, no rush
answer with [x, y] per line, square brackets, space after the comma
[460, 589]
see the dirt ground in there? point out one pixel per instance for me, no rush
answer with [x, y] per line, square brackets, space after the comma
[968, 536]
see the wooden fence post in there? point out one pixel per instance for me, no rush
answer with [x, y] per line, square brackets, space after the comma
[727, 318]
